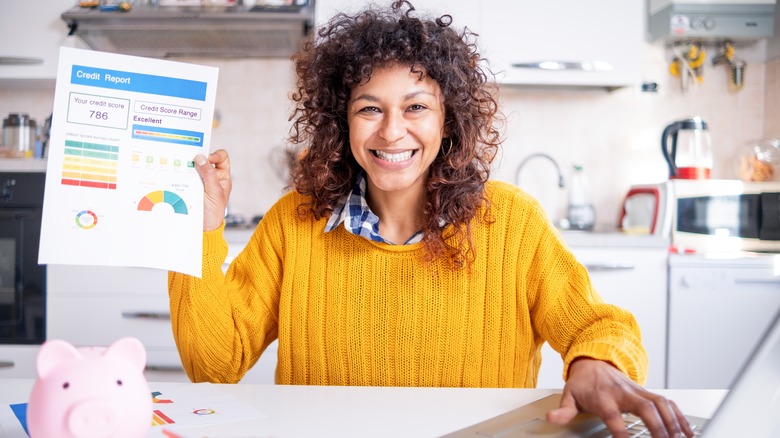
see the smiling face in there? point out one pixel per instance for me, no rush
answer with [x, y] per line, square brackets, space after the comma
[396, 124]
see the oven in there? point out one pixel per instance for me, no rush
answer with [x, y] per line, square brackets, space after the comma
[22, 279]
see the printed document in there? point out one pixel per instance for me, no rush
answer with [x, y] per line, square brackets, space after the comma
[121, 186]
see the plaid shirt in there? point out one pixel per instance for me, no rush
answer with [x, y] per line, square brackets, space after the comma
[358, 218]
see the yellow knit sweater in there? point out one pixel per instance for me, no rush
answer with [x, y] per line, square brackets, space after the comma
[348, 311]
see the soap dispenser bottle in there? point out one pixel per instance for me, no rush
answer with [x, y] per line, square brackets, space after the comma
[580, 212]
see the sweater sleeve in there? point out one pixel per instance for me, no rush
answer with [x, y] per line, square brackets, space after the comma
[571, 316]
[223, 322]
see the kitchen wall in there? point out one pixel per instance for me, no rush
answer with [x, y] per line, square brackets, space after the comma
[772, 99]
[615, 136]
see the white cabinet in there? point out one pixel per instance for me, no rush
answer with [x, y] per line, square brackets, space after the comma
[96, 305]
[18, 361]
[597, 44]
[33, 29]
[718, 310]
[633, 278]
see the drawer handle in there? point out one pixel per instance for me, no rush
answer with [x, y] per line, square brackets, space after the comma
[165, 368]
[768, 281]
[147, 315]
[15, 60]
[589, 66]
[603, 267]
[4, 364]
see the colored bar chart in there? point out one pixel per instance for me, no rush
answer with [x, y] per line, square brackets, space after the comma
[158, 418]
[89, 165]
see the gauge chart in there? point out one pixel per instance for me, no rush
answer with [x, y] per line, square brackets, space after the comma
[163, 196]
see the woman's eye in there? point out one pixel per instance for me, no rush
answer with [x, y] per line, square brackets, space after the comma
[369, 109]
[416, 107]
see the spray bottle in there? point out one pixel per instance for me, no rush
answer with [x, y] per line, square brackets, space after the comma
[580, 212]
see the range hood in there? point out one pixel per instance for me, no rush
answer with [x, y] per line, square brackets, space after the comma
[710, 20]
[195, 31]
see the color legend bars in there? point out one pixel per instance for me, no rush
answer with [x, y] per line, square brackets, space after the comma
[89, 165]
[167, 135]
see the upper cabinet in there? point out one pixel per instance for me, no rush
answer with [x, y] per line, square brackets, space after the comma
[242, 30]
[32, 33]
[564, 43]
[556, 43]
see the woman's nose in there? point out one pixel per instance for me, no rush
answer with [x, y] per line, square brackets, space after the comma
[393, 127]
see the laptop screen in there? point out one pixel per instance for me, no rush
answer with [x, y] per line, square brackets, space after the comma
[752, 406]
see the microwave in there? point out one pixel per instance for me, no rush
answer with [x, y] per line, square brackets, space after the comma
[707, 215]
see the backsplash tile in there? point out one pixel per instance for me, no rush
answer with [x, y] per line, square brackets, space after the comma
[772, 104]
[615, 136]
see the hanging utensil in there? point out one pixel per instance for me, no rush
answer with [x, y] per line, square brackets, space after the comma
[735, 65]
[688, 64]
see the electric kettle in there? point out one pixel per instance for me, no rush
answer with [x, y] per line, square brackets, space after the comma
[687, 148]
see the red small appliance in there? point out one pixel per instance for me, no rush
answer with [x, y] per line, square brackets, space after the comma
[645, 210]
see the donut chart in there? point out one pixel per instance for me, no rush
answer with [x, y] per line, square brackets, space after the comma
[204, 411]
[86, 219]
[163, 196]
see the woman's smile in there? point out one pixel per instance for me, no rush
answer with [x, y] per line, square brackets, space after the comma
[393, 157]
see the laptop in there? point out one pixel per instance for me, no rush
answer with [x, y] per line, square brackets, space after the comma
[751, 408]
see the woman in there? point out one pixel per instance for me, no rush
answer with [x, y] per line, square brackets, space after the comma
[395, 261]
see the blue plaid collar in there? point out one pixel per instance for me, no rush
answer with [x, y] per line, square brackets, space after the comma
[357, 218]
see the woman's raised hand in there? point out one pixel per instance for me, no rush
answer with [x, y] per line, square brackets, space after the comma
[214, 170]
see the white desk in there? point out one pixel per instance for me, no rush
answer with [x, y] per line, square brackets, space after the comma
[337, 411]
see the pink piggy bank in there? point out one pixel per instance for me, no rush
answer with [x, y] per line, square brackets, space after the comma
[90, 392]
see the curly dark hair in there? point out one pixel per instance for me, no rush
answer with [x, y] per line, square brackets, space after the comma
[343, 55]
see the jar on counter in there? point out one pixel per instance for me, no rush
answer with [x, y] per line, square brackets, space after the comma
[759, 160]
[19, 136]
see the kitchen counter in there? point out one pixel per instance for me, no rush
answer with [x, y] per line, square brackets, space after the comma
[735, 259]
[603, 238]
[22, 165]
[613, 238]
[239, 235]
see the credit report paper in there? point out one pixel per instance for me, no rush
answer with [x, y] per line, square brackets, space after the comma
[121, 186]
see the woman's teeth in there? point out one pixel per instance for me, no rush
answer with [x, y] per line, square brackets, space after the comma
[394, 158]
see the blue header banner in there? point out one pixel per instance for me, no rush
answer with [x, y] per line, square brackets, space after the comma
[138, 82]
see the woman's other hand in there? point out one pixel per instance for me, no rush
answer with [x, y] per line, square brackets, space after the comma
[601, 389]
[214, 170]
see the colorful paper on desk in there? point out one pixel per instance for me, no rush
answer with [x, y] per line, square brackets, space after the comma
[174, 411]
[13, 420]
[121, 187]
[192, 406]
